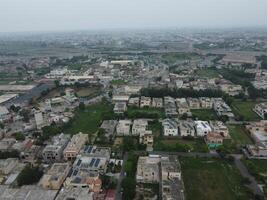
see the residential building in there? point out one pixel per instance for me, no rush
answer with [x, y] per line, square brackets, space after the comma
[123, 128]
[172, 186]
[120, 98]
[54, 152]
[182, 106]
[202, 128]
[186, 128]
[148, 169]
[206, 103]
[145, 102]
[74, 146]
[39, 119]
[157, 102]
[193, 103]
[134, 101]
[170, 127]
[214, 139]
[120, 107]
[219, 127]
[146, 137]
[170, 107]
[109, 127]
[139, 125]
[4, 114]
[7, 165]
[261, 110]
[221, 108]
[75, 193]
[94, 151]
[53, 179]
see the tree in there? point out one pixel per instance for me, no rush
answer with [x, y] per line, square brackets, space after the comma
[82, 106]
[19, 136]
[57, 83]
[29, 175]
[25, 114]
[128, 185]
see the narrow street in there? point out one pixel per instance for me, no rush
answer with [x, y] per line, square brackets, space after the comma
[118, 188]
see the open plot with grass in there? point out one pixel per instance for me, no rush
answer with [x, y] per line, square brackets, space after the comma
[88, 91]
[209, 179]
[238, 135]
[89, 119]
[118, 82]
[207, 73]
[258, 168]
[146, 112]
[204, 114]
[181, 145]
[244, 110]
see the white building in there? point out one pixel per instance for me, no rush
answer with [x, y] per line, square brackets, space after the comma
[170, 127]
[261, 109]
[186, 128]
[202, 128]
[139, 125]
[123, 127]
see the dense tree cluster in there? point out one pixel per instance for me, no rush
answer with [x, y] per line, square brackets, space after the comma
[180, 93]
[29, 175]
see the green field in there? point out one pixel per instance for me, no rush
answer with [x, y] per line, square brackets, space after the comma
[118, 82]
[258, 168]
[209, 179]
[238, 135]
[244, 110]
[204, 114]
[146, 112]
[89, 120]
[171, 58]
[207, 73]
[87, 91]
[183, 145]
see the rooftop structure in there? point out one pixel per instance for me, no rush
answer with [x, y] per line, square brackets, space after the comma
[74, 146]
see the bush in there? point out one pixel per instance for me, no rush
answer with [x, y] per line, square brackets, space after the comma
[29, 175]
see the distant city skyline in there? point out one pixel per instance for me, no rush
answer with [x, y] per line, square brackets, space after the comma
[62, 15]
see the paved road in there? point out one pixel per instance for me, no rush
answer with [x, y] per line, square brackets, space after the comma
[118, 188]
[187, 154]
[244, 172]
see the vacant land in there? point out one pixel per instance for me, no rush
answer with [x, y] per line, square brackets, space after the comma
[207, 73]
[204, 114]
[89, 119]
[239, 135]
[146, 112]
[183, 145]
[87, 91]
[244, 110]
[118, 82]
[209, 179]
[258, 168]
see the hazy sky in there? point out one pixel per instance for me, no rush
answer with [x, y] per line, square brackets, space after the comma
[49, 15]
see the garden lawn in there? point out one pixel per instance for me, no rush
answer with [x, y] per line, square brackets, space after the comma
[209, 179]
[244, 109]
[207, 73]
[146, 112]
[238, 135]
[88, 120]
[204, 114]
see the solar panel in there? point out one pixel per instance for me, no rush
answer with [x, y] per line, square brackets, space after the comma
[92, 162]
[86, 148]
[90, 149]
[75, 173]
[79, 162]
[97, 162]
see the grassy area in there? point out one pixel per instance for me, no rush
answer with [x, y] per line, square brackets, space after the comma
[89, 120]
[118, 82]
[183, 145]
[239, 135]
[209, 179]
[258, 168]
[207, 73]
[204, 114]
[171, 58]
[146, 112]
[244, 110]
[156, 128]
[87, 91]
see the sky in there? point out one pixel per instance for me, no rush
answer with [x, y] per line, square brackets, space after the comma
[61, 15]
